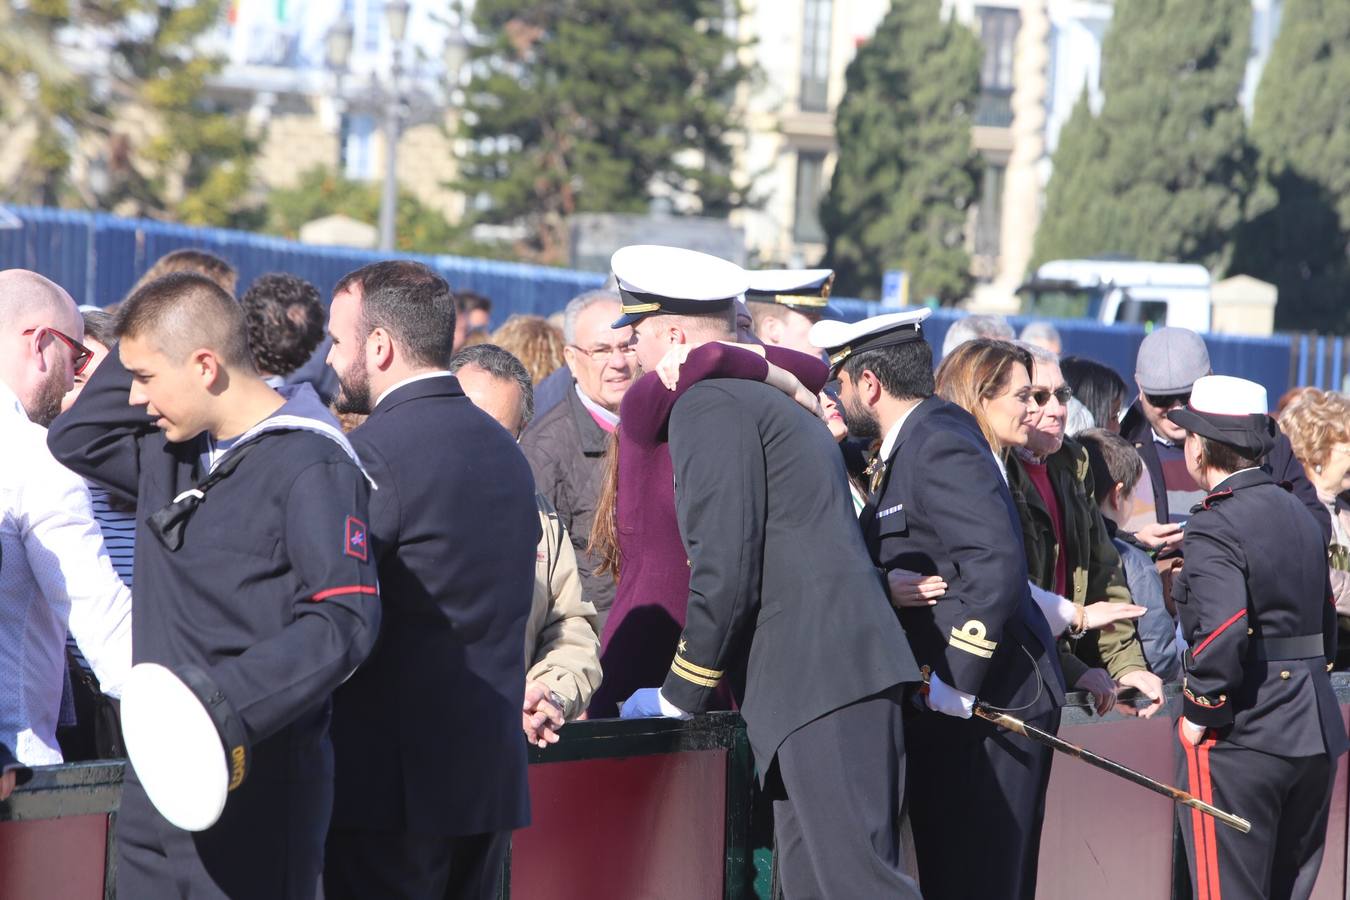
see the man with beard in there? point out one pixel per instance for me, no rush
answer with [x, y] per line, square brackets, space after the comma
[783, 603]
[939, 506]
[255, 596]
[430, 760]
[56, 572]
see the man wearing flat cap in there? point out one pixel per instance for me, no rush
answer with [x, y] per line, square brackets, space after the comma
[940, 506]
[1170, 361]
[783, 601]
[1261, 730]
[785, 303]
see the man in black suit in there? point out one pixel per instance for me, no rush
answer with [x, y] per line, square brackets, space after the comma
[782, 597]
[430, 757]
[939, 506]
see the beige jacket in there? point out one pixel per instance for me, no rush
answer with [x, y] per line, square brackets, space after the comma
[562, 648]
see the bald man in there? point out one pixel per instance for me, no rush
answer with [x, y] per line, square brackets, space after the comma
[40, 331]
[56, 574]
[254, 576]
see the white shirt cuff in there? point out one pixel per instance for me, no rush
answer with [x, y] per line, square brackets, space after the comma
[670, 710]
[1059, 612]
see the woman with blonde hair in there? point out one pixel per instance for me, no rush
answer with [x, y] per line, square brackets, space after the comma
[533, 341]
[1318, 425]
[991, 380]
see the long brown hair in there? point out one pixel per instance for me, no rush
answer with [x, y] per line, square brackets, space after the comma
[979, 370]
[604, 543]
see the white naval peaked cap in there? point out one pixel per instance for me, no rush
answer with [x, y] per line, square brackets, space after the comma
[805, 290]
[1231, 411]
[1224, 395]
[177, 748]
[655, 280]
[840, 340]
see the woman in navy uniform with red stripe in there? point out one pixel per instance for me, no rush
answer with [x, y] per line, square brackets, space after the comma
[1261, 730]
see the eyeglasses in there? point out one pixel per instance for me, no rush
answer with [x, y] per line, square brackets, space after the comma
[1167, 401]
[80, 354]
[600, 354]
[1042, 396]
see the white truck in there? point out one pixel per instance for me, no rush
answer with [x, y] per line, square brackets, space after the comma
[1138, 293]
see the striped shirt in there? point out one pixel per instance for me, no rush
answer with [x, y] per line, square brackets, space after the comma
[119, 532]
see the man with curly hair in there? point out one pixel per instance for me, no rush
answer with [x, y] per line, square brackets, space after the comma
[285, 323]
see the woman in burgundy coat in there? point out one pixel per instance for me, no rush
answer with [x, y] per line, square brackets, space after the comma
[636, 530]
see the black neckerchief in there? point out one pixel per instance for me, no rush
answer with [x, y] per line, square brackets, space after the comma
[169, 523]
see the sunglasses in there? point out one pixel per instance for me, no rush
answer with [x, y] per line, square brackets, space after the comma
[80, 354]
[1167, 401]
[1042, 396]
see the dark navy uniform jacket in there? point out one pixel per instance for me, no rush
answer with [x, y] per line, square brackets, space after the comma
[428, 733]
[273, 590]
[1256, 579]
[780, 586]
[943, 508]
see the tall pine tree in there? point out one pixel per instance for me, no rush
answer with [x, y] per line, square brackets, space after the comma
[1301, 125]
[598, 106]
[906, 172]
[1164, 171]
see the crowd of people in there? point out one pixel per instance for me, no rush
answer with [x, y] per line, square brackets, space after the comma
[387, 549]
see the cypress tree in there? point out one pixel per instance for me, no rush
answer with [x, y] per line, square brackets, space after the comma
[1172, 165]
[906, 171]
[599, 106]
[1301, 125]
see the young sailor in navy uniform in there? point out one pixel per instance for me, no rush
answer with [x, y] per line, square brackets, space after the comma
[255, 590]
[782, 598]
[1261, 730]
[940, 506]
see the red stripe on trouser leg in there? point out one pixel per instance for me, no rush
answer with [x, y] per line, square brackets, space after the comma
[1211, 839]
[1197, 826]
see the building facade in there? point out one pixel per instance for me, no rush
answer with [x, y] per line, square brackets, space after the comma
[1039, 58]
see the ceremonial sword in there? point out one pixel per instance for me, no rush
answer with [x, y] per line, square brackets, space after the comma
[1176, 794]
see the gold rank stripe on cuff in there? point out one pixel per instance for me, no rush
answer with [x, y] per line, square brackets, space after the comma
[1201, 700]
[970, 638]
[695, 673]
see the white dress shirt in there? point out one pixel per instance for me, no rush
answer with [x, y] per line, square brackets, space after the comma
[54, 574]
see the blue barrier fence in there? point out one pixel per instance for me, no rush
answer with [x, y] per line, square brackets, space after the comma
[98, 258]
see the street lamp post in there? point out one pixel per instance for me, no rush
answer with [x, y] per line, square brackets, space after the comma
[396, 18]
[391, 96]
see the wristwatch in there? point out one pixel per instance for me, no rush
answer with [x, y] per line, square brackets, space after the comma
[556, 699]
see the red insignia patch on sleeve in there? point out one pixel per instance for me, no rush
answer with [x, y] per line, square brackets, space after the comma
[357, 541]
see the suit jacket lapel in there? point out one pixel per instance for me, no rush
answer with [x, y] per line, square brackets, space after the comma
[874, 498]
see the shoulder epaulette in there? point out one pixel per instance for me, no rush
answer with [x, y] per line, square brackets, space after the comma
[1211, 500]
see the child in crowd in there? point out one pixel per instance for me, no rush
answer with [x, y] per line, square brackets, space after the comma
[1116, 471]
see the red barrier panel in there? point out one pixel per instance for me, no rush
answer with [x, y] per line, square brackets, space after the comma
[53, 859]
[1107, 839]
[617, 829]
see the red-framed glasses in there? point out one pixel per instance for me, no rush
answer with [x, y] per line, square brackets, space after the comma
[80, 354]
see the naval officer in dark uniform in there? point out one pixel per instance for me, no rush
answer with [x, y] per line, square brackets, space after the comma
[782, 597]
[940, 506]
[1261, 730]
